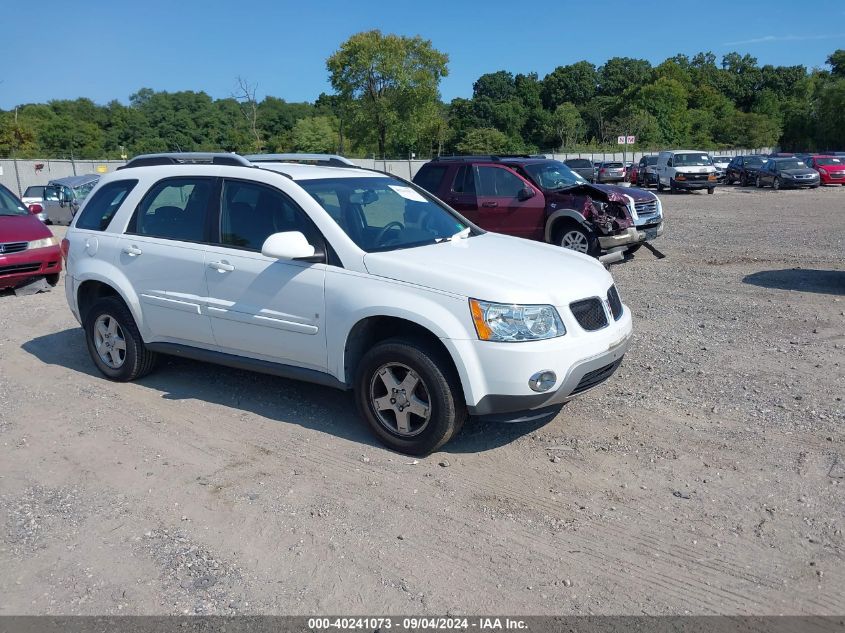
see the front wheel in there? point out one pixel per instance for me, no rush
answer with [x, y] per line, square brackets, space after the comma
[577, 238]
[114, 343]
[743, 180]
[776, 184]
[410, 396]
[659, 184]
[711, 190]
[759, 182]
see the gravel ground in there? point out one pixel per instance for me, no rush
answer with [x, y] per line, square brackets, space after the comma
[705, 477]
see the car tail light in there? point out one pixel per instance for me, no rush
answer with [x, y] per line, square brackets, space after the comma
[602, 170]
[35, 208]
[65, 248]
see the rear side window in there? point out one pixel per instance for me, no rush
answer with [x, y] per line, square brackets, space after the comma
[495, 181]
[430, 176]
[613, 165]
[174, 209]
[104, 204]
[464, 181]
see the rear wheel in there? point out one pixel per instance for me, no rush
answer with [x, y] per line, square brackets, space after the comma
[114, 343]
[410, 396]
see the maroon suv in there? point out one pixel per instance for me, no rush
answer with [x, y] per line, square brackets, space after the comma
[544, 200]
[28, 249]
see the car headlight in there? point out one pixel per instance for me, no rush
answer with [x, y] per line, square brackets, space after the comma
[514, 323]
[44, 242]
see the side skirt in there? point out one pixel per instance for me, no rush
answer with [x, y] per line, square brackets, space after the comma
[249, 364]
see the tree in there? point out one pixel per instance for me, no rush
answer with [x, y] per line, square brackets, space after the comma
[245, 96]
[315, 134]
[836, 61]
[666, 101]
[567, 124]
[620, 74]
[391, 76]
[485, 141]
[575, 83]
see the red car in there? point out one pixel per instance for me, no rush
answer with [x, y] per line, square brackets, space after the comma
[831, 169]
[28, 249]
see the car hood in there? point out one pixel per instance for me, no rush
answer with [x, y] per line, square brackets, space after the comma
[611, 192]
[799, 172]
[22, 228]
[495, 267]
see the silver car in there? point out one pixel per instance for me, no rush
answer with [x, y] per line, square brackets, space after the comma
[63, 196]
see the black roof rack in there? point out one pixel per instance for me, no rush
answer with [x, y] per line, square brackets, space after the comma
[493, 158]
[323, 160]
[187, 158]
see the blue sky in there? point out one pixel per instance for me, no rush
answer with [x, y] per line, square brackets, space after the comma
[107, 50]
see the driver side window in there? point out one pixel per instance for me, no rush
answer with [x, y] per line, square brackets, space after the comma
[498, 182]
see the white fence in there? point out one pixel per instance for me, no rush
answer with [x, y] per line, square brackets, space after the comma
[17, 175]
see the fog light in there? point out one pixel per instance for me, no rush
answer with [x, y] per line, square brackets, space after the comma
[542, 381]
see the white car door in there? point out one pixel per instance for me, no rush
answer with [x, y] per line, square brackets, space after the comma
[162, 254]
[262, 307]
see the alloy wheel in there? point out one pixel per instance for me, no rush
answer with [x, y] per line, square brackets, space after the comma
[109, 341]
[400, 399]
[576, 241]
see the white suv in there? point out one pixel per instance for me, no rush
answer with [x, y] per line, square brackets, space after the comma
[342, 276]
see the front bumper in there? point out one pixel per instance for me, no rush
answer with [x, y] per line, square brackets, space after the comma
[695, 184]
[495, 375]
[18, 268]
[631, 236]
[792, 183]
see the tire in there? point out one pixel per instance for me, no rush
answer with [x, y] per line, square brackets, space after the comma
[743, 180]
[110, 315]
[577, 238]
[659, 184]
[52, 279]
[776, 183]
[399, 362]
[711, 190]
[672, 187]
[758, 182]
[728, 180]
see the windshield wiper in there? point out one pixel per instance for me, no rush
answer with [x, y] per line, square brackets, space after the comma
[460, 235]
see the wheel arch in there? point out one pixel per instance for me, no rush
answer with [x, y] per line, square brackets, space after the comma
[95, 285]
[562, 216]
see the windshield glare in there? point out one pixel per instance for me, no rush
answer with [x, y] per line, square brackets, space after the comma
[553, 175]
[791, 164]
[83, 190]
[692, 160]
[9, 205]
[383, 214]
[830, 161]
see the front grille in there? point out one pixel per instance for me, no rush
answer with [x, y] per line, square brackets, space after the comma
[696, 176]
[589, 313]
[596, 377]
[19, 268]
[12, 247]
[647, 207]
[615, 303]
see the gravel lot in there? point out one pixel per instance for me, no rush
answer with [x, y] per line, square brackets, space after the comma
[707, 476]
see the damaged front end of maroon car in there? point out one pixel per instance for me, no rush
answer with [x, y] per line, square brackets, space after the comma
[619, 218]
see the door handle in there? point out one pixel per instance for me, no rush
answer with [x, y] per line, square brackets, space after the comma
[132, 251]
[490, 205]
[221, 267]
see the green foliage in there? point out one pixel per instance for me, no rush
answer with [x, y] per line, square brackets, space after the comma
[315, 135]
[392, 78]
[576, 83]
[485, 141]
[567, 124]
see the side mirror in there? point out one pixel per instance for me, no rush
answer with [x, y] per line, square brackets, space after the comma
[526, 193]
[287, 245]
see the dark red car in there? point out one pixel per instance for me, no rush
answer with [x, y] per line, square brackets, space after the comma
[831, 168]
[542, 199]
[28, 249]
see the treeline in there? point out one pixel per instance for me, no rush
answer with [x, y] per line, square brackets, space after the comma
[386, 103]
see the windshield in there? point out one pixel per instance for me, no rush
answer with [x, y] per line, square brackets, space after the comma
[791, 164]
[651, 160]
[384, 214]
[9, 205]
[83, 190]
[35, 191]
[830, 161]
[722, 159]
[692, 160]
[552, 175]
